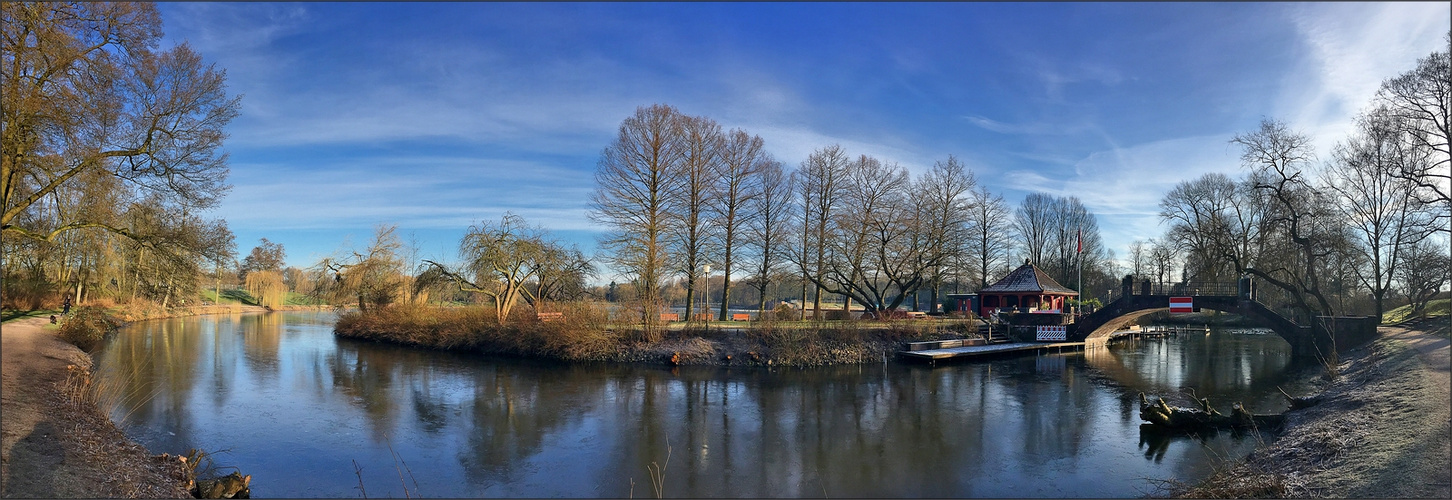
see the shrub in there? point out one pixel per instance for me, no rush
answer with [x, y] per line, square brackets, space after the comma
[580, 335]
[86, 327]
[785, 312]
[28, 294]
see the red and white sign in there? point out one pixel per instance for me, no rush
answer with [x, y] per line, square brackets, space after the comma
[1050, 333]
[1182, 304]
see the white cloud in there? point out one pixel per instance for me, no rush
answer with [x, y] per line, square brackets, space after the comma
[416, 192]
[1352, 48]
[1123, 186]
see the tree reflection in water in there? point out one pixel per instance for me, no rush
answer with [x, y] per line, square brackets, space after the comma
[298, 406]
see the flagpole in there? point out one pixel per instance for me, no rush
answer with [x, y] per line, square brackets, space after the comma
[1081, 270]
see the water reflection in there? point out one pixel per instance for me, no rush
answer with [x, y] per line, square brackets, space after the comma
[297, 408]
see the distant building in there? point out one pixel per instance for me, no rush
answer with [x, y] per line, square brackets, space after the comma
[1026, 289]
[963, 303]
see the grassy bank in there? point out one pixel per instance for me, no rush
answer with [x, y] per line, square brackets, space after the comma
[1439, 308]
[586, 334]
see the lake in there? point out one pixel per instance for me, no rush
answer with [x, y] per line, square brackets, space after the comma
[309, 415]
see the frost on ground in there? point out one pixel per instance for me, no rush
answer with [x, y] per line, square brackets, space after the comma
[1382, 430]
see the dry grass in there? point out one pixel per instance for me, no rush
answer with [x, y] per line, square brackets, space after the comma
[123, 469]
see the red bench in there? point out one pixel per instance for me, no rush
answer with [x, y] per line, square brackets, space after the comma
[550, 316]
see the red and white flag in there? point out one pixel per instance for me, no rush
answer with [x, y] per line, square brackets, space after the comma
[1182, 304]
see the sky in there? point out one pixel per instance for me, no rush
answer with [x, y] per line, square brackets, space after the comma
[436, 116]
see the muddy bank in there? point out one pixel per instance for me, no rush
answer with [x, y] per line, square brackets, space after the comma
[57, 444]
[1382, 429]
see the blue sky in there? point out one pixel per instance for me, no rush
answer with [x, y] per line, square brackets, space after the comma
[434, 116]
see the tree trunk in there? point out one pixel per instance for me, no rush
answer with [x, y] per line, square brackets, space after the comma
[690, 297]
[817, 303]
[166, 299]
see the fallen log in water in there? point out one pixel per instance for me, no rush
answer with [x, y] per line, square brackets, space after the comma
[1204, 417]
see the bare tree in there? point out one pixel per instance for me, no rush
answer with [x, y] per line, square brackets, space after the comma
[1031, 224]
[1422, 99]
[1074, 239]
[1138, 257]
[1376, 204]
[374, 277]
[700, 139]
[563, 274]
[989, 219]
[1281, 157]
[742, 160]
[768, 226]
[1162, 259]
[501, 258]
[635, 181]
[1197, 212]
[880, 245]
[818, 183]
[266, 256]
[943, 198]
[1425, 271]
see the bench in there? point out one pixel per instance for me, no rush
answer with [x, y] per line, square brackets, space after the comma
[670, 317]
[917, 315]
[740, 317]
[550, 316]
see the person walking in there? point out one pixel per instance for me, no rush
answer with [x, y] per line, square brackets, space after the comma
[66, 305]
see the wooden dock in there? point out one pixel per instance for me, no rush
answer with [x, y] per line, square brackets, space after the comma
[992, 349]
[1158, 331]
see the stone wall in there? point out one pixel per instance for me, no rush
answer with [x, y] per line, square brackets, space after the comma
[1348, 331]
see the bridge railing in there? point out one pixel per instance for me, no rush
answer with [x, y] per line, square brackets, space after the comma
[1189, 289]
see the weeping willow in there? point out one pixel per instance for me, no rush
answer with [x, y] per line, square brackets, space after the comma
[267, 287]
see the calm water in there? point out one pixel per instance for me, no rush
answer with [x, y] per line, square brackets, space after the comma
[297, 408]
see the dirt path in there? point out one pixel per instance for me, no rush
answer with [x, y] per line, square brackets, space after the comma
[1430, 477]
[56, 447]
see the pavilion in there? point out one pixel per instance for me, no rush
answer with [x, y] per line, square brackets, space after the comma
[1026, 289]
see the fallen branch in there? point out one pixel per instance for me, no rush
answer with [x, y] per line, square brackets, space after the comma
[1206, 417]
[1299, 403]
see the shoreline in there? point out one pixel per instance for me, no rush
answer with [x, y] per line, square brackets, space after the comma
[56, 444]
[59, 443]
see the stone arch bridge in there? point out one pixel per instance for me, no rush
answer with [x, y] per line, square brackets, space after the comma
[1325, 336]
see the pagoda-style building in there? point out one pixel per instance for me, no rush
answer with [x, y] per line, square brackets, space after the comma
[1027, 289]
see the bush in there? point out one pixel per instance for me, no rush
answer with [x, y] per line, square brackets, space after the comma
[785, 312]
[86, 327]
